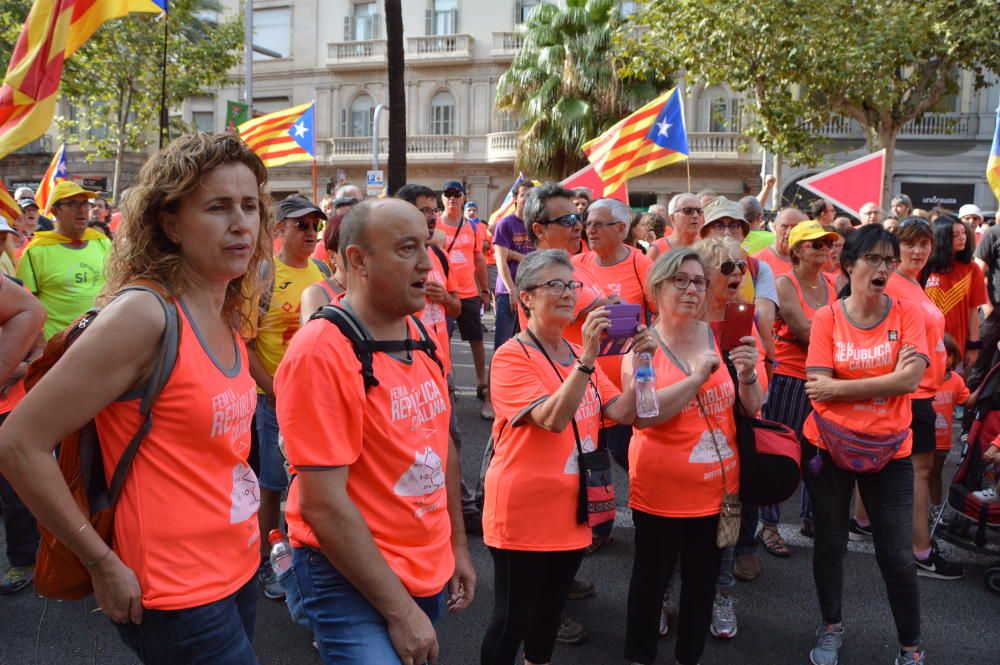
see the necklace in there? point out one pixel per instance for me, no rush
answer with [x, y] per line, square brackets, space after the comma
[337, 282]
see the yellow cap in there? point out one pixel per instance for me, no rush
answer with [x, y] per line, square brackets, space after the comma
[809, 230]
[64, 189]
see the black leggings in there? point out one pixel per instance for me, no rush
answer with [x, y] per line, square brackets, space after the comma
[531, 590]
[659, 543]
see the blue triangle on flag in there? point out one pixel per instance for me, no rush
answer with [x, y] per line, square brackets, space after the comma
[303, 130]
[668, 130]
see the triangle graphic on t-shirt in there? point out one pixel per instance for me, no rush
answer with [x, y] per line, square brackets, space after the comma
[704, 451]
[572, 466]
[425, 476]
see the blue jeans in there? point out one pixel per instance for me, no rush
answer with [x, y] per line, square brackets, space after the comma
[347, 629]
[218, 633]
[504, 321]
[272, 464]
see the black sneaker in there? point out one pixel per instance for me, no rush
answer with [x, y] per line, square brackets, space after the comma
[580, 589]
[859, 532]
[937, 567]
[570, 632]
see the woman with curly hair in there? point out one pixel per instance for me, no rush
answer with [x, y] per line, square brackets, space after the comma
[191, 227]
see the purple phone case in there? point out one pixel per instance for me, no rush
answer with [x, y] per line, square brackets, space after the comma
[624, 321]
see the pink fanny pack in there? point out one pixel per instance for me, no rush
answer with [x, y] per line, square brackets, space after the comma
[856, 451]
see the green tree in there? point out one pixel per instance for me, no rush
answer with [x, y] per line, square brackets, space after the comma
[801, 64]
[114, 81]
[563, 86]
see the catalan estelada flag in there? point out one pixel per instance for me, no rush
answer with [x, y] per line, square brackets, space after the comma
[53, 174]
[282, 137]
[650, 138]
[9, 209]
[507, 205]
[993, 166]
[53, 31]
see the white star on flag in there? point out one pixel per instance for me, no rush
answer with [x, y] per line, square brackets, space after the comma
[300, 130]
[664, 127]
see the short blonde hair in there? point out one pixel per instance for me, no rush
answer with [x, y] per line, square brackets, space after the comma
[716, 249]
[666, 267]
[142, 250]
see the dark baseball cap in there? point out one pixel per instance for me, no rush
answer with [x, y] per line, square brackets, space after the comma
[296, 206]
[452, 184]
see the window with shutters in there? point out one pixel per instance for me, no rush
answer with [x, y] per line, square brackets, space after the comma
[443, 114]
[522, 8]
[272, 29]
[204, 121]
[718, 111]
[442, 18]
[364, 23]
[360, 116]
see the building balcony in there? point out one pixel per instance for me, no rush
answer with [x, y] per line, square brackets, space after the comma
[724, 146]
[501, 147]
[40, 146]
[929, 126]
[364, 54]
[419, 148]
[438, 49]
[506, 45]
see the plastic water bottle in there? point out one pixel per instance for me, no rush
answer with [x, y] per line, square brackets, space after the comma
[647, 405]
[281, 552]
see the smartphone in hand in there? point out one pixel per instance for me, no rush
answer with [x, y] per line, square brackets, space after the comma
[736, 324]
[624, 320]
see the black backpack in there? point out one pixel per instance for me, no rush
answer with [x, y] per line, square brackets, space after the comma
[365, 347]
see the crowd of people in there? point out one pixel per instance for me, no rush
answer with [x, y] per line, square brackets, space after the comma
[314, 364]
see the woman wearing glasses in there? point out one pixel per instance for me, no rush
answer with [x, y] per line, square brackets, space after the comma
[867, 353]
[530, 518]
[676, 460]
[800, 293]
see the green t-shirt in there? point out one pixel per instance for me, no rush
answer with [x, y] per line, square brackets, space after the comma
[757, 240]
[65, 278]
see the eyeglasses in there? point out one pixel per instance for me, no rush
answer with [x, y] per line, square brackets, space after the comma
[74, 205]
[597, 226]
[556, 286]
[567, 221]
[452, 193]
[428, 211]
[727, 267]
[681, 282]
[305, 225]
[722, 227]
[818, 243]
[875, 260]
[691, 212]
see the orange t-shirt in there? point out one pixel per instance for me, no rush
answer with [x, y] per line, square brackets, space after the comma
[836, 344]
[903, 289]
[663, 245]
[533, 482]
[13, 398]
[953, 391]
[955, 293]
[491, 259]
[779, 265]
[627, 280]
[432, 315]
[186, 522]
[586, 300]
[790, 358]
[674, 470]
[462, 253]
[394, 438]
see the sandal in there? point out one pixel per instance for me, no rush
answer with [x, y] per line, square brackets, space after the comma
[774, 543]
[598, 542]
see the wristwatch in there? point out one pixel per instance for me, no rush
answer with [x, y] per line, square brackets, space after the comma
[753, 379]
[583, 368]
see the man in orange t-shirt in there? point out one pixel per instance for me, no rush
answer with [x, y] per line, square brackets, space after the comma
[21, 320]
[374, 512]
[776, 255]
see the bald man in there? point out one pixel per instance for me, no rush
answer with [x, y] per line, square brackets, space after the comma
[776, 255]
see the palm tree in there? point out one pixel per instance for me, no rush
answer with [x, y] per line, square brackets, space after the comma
[563, 86]
[397, 95]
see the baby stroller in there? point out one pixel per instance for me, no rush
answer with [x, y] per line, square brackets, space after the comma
[972, 522]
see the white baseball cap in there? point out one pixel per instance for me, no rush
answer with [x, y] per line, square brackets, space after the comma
[5, 227]
[970, 209]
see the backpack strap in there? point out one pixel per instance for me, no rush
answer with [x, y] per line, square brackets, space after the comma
[162, 369]
[323, 268]
[442, 257]
[365, 347]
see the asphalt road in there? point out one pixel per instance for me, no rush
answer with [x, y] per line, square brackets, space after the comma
[777, 613]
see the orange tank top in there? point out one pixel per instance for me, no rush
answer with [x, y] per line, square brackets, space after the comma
[790, 358]
[186, 522]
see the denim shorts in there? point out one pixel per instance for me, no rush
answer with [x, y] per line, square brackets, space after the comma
[348, 630]
[272, 463]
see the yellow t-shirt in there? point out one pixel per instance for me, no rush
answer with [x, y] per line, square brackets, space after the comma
[281, 322]
[66, 278]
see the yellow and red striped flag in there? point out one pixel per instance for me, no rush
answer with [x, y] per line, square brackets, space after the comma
[650, 138]
[993, 165]
[53, 31]
[53, 174]
[282, 137]
[8, 207]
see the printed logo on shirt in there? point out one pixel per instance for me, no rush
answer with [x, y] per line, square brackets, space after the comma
[857, 358]
[425, 476]
[421, 403]
[245, 494]
[233, 414]
[457, 257]
[940, 422]
[716, 399]
[704, 451]
[893, 336]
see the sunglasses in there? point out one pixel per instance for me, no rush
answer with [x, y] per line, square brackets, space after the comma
[818, 243]
[732, 265]
[567, 221]
[304, 225]
[691, 212]
[452, 193]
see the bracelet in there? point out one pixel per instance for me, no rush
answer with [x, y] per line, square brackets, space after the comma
[91, 564]
[753, 379]
[973, 345]
[583, 368]
[77, 533]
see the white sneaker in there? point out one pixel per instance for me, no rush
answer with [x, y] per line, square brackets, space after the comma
[724, 617]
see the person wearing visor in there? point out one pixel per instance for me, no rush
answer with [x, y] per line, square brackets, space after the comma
[299, 225]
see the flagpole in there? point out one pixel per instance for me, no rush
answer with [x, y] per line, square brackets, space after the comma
[164, 113]
[314, 181]
[687, 163]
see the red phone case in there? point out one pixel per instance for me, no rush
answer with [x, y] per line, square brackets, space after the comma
[738, 323]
